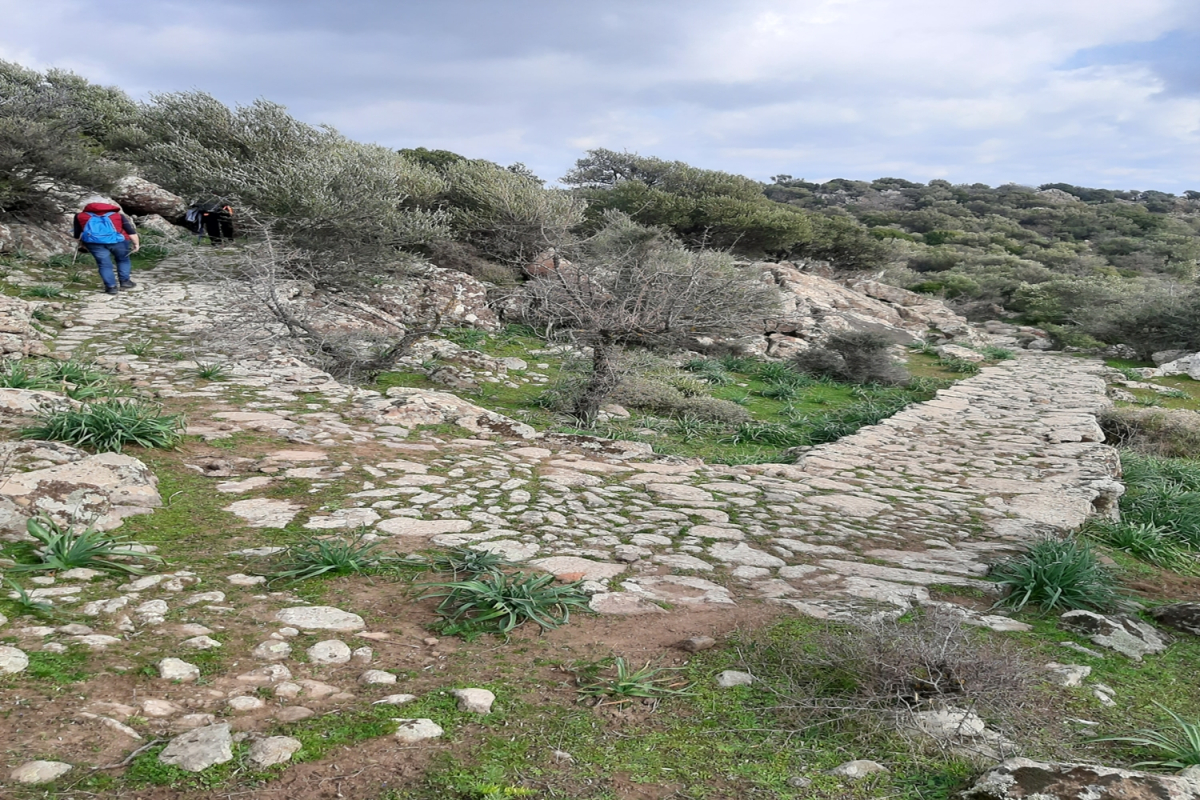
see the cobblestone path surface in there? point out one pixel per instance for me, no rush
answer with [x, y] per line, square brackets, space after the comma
[925, 499]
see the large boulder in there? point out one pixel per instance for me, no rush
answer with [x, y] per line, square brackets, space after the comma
[1128, 636]
[1180, 616]
[103, 488]
[139, 196]
[1019, 778]
[21, 406]
[1188, 364]
[37, 242]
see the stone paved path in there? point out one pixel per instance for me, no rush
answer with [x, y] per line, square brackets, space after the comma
[927, 498]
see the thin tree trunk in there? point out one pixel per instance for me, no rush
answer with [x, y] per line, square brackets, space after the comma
[604, 379]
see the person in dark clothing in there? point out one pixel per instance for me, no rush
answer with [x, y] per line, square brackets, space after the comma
[111, 248]
[214, 217]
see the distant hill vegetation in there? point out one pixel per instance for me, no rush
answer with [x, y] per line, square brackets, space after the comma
[1095, 266]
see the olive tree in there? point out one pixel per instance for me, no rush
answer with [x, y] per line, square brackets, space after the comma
[340, 199]
[633, 285]
[51, 131]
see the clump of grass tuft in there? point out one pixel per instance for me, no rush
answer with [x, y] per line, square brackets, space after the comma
[499, 603]
[211, 371]
[45, 292]
[994, 353]
[61, 548]
[1180, 747]
[711, 371]
[1057, 574]
[139, 348]
[315, 557]
[109, 425]
[1146, 541]
[960, 365]
[26, 603]
[625, 684]
[466, 561]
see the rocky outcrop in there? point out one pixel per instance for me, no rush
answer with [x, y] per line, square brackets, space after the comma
[37, 242]
[138, 196]
[1188, 364]
[102, 489]
[20, 406]
[816, 307]
[1022, 778]
[18, 337]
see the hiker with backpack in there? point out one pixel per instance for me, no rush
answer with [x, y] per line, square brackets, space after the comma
[110, 236]
[214, 217]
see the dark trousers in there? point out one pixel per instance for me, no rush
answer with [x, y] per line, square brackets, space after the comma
[218, 227]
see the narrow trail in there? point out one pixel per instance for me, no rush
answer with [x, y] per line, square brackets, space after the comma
[924, 499]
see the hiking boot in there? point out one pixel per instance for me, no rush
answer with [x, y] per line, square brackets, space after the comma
[111, 289]
[127, 284]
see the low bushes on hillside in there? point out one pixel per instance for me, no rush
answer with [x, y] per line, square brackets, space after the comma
[1167, 433]
[858, 357]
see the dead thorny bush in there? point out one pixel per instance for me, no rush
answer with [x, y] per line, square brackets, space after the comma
[871, 674]
[341, 334]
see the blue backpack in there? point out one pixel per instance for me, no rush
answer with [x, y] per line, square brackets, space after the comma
[99, 230]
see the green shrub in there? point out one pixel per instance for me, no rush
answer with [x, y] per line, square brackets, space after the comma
[110, 425]
[1057, 575]
[468, 561]
[712, 409]
[1164, 493]
[858, 357]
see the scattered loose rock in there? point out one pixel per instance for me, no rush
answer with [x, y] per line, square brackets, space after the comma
[417, 730]
[475, 701]
[197, 750]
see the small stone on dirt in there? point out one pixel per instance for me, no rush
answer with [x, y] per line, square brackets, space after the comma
[416, 730]
[697, 643]
[860, 768]
[320, 618]
[35, 772]
[273, 750]
[395, 700]
[376, 676]
[475, 701]
[295, 714]
[199, 749]
[12, 660]
[731, 677]
[330, 651]
[174, 669]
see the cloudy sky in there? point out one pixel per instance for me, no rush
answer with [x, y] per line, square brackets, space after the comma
[1091, 92]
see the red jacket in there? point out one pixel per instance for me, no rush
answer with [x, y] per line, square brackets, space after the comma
[121, 222]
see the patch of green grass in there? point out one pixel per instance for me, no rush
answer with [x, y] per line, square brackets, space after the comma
[467, 561]
[58, 668]
[139, 348]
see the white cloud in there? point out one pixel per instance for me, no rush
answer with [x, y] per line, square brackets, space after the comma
[973, 91]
